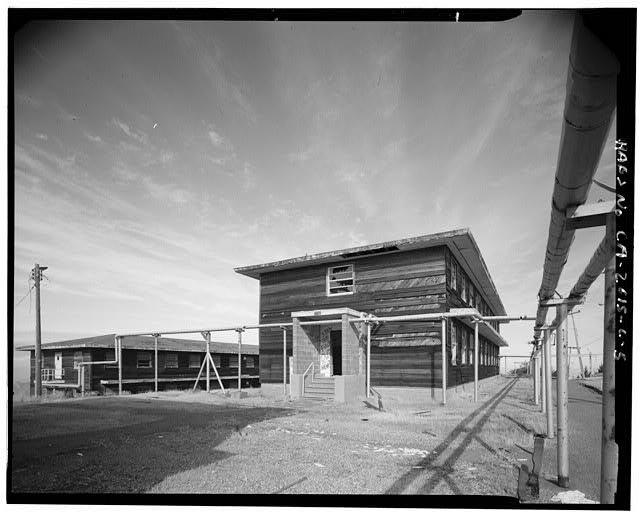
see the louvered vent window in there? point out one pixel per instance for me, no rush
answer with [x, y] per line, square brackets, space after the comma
[171, 361]
[340, 280]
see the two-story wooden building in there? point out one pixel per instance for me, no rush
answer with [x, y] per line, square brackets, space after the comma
[428, 274]
[178, 364]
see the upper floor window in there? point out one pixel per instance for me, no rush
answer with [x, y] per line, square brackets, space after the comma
[340, 280]
[454, 275]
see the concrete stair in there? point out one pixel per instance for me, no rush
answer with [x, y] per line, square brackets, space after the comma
[320, 387]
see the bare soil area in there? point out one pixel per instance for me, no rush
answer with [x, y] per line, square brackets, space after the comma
[179, 442]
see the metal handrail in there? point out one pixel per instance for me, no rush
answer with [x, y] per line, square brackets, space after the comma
[304, 375]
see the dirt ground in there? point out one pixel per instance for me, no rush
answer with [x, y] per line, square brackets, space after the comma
[178, 442]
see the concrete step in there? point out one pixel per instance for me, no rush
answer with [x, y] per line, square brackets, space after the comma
[321, 386]
[324, 378]
[315, 394]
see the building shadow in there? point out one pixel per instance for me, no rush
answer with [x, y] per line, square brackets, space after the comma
[110, 445]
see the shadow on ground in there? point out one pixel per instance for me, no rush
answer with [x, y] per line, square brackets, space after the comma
[441, 473]
[150, 441]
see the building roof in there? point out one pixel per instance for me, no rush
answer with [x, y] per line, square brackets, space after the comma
[143, 343]
[460, 242]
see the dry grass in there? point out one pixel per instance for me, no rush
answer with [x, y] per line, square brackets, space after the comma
[412, 447]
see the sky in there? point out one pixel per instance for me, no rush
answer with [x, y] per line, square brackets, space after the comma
[151, 158]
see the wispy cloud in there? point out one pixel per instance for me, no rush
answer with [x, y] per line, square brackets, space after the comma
[137, 135]
[209, 56]
[93, 138]
[42, 137]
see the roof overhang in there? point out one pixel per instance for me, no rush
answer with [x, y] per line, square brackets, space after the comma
[485, 330]
[460, 242]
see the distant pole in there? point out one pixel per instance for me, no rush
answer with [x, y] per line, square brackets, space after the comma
[37, 277]
[562, 398]
[575, 334]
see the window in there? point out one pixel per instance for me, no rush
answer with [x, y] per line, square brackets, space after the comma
[143, 361]
[249, 362]
[465, 345]
[194, 361]
[454, 275]
[216, 360]
[171, 361]
[463, 288]
[233, 361]
[454, 345]
[340, 280]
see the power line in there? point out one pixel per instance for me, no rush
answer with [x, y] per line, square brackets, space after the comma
[24, 297]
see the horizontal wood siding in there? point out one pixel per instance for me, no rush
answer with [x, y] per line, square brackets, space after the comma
[410, 282]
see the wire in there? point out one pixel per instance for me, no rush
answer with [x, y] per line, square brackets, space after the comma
[27, 294]
[604, 186]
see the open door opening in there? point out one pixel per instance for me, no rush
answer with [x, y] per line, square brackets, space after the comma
[336, 352]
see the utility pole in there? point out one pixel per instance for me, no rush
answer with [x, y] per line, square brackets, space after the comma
[36, 275]
[575, 334]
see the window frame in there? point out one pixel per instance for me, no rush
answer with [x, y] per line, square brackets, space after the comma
[233, 361]
[191, 356]
[465, 347]
[454, 345]
[146, 353]
[166, 359]
[328, 280]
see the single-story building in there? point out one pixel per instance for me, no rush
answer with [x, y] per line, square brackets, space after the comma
[323, 293]
[178, 365]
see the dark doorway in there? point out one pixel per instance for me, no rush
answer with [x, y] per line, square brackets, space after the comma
[336, 352]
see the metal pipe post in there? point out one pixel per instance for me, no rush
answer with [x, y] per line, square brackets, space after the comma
[534, 366]
[562, 398]
[543, 381]
[609, 455]
[444, 360]
[155, 350]
[284, 361]
[119, 339]
[548, 379]
[240, 360]
[475, 363]
[208, 358]
[368, 358]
